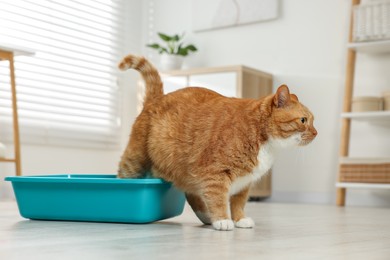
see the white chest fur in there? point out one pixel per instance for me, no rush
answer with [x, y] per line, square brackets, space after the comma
[266, 158]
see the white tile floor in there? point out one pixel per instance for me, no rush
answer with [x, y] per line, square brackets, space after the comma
[283, 231]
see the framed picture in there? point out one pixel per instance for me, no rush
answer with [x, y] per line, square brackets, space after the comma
[214, 14]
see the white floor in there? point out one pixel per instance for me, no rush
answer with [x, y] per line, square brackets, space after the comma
[283, 231]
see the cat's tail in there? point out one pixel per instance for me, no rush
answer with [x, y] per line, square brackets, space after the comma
[154, 85]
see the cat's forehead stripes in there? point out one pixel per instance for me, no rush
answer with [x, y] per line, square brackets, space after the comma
[306, 112]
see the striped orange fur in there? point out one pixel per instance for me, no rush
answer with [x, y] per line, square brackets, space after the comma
[210, 146]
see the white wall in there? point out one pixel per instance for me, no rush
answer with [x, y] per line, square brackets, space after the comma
[43, 159]
[304, 48]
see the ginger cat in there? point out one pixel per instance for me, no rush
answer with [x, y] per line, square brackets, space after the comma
[208, 145]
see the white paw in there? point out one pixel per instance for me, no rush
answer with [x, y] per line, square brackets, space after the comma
[204, 217]
[224, 224]
[245, 223]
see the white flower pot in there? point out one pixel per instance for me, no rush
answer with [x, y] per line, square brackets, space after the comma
[171, 62]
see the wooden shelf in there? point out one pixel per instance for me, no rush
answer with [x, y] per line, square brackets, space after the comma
[358, 185]
[350, 176]
[375, 117]
[364, 160]
[6, 160]
[371, 47]
[17, 50]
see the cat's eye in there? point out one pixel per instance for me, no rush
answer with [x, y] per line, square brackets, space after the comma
[303, 120]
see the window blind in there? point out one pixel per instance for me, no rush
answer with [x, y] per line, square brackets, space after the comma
[67, 92]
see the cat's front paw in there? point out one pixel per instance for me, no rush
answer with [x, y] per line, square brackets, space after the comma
[245, 223]
[223, 224]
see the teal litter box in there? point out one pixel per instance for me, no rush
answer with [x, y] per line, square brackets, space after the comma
[97, 198]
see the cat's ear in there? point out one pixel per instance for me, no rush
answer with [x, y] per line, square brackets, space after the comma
[294, 97]
[282, 96]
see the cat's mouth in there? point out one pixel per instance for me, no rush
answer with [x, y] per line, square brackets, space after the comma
[305, 141]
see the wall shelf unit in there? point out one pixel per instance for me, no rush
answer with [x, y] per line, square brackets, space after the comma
[358, 185]
[368, 173]
[377, 116]
[371, 47]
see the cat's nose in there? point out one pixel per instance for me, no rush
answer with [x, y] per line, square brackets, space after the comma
[314, 132]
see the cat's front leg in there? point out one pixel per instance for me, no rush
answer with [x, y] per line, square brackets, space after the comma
[237, 205]
[216, 198]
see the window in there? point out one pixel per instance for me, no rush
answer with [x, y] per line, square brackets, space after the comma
[67, 92]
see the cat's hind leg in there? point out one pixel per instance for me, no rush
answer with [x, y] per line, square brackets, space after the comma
[237, 205]
[135, 161]
[199, 207]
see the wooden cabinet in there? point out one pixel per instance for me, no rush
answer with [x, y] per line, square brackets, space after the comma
[371, 173]
[230, 81]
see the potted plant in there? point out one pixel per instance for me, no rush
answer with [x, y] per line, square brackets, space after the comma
[173, 53]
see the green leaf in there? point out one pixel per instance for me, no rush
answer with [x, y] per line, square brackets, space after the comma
[179, 48]
[165, 37]
[176, 38]
[182, 52]
[191, 47]
[154, 46]
[162, 50]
